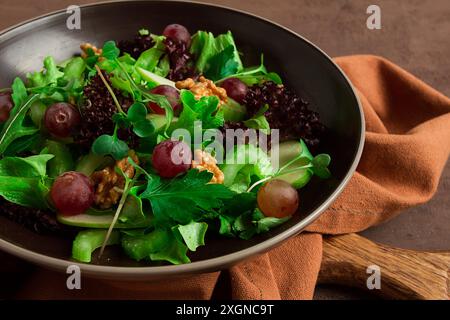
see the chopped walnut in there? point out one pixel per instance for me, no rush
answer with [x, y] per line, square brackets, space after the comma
[205, 161]
[86, 46]
[203, 88]
[109, 184]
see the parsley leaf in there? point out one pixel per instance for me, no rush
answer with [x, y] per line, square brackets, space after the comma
[203, 110]
[184, 199]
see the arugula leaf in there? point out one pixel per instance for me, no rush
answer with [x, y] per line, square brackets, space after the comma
[28, 192]
[14, 127]
[184, 199]
[25, 143]
[33, 166]
[49, 75]
[23, 180]
[193, 234]
[19, 92]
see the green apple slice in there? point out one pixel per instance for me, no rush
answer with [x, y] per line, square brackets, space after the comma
[288, 150]
[98, 221]
[153, 79]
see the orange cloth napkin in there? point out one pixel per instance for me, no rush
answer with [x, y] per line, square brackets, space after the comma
[407, 145]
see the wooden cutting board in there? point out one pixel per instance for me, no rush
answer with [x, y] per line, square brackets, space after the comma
[404, 274]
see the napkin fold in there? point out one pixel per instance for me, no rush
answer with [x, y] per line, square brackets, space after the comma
[407, 145]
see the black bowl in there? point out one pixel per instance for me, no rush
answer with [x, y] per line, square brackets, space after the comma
[305, 68]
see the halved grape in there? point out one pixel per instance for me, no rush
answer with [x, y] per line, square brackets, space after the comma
[72, 193]
[62, 119]
[277, 199]
[235, 89]
[171, 158]
[177, 32]
[171, 94]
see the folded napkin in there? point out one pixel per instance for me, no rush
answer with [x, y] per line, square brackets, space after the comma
[407, 145]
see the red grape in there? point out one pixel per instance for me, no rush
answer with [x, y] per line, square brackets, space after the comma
[277, 199]
[171, 94]
[72, 193]
[177, 32]
[171, 158]
[6, 104]
[61, 119]
[235, 89]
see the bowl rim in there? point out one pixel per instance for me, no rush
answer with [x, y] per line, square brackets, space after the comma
[207, 265]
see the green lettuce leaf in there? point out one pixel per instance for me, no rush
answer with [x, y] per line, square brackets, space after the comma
[49, 75]
[193, 234]
[216, 57]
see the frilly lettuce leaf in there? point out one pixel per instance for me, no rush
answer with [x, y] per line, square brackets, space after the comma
[216, 57]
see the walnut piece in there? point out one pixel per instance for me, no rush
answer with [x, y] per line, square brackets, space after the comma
[205, 161]
[86, 46]
[203, 88]
[109, 184]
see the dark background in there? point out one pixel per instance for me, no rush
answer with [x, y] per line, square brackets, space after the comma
[415, 35]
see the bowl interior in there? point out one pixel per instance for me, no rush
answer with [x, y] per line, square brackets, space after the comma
[303, 67]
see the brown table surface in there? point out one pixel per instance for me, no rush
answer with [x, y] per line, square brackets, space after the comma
[414, 35]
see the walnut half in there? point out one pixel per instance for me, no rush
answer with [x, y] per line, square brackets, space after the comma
[203, 88]
[109, 184]
[86, 46]
[205, 161]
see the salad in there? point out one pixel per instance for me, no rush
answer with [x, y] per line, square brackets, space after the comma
[124, 145]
